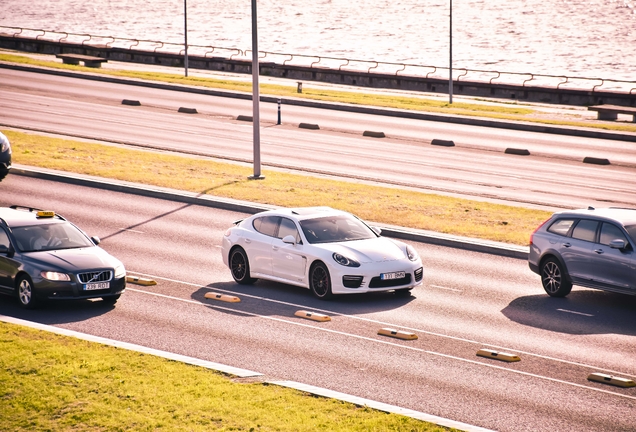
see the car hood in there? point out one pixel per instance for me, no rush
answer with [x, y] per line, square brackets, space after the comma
[71, 260]
[367, 251]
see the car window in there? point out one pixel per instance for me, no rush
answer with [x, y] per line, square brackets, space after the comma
[4, 238]
[335, 229]
[288, 227]
[631, 230]
[52, 236]
[561, 226]
[585, 230]
[266, 225]
[610, 232]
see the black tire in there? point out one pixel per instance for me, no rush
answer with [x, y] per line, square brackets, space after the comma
[111, 300]
[554, 279]
[240, 267]
[403, 292]
[26, 293]
[320, 281]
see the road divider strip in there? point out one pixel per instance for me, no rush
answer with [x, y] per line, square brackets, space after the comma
[313, 316]
[140, 281]
[397, 334]
[612, 380]
[222, 297]
[503, 356]
[516, 151]
[596, 161]
[245, 118]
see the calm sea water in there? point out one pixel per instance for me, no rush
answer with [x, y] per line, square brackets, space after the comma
[585, 38]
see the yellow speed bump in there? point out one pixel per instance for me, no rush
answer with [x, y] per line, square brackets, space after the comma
[140, 281]
[498, 355]
[397, 334]
[313, 316]
[222, 297]
[609, 379]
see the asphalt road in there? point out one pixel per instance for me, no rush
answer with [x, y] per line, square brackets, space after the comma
[553, 176]
[468, 301]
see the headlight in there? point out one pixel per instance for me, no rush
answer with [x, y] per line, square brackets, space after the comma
[343, 260]
[120, 271]
[4, 145]
[55, 276]
[412, 253]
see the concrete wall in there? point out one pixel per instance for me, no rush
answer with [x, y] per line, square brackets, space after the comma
[545, 94]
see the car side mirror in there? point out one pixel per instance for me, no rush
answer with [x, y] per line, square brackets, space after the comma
[96, 240]
[289, 239]
[618, 244]
[4, 249]
[376, 230]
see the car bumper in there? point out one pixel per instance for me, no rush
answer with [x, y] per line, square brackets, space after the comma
[50, 290]
[349, 281]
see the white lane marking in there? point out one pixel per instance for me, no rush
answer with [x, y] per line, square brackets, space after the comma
[383, 323]
[132, 230]
[575, 312]
[314, 327]
[445, 288]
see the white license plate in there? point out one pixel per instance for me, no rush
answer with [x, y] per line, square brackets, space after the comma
[96, 286]
[394, 275]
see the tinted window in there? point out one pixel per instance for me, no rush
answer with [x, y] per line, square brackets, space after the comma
[288, 227]
[335, 229]
[631, 229]
[585, 230]
[266, 225]
[610, 232]
[561, 226]
[4, 238]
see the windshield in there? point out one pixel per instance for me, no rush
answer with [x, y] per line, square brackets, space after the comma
[335, 229]
[50, 237]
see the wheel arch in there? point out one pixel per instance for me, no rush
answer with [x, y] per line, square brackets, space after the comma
[551, 254]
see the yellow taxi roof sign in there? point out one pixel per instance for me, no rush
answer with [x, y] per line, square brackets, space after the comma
[45, 214]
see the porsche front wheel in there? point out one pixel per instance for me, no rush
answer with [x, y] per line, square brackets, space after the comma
[320, 281]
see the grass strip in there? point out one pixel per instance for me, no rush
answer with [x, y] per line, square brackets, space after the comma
[380, 204]
[512, 112]
[50, 382]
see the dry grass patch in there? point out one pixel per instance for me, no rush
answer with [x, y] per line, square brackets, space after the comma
[383, 205]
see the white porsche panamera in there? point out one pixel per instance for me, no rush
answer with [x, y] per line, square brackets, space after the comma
[325, 250]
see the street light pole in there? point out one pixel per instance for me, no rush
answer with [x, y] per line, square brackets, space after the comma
[256, 121]
[450, 55]
[185, 31]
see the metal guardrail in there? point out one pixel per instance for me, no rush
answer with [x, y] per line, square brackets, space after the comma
[342, 64]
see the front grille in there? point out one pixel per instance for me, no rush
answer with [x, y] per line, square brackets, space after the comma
[352, 281]
[376, 282]
[97, 276]
[418, 274]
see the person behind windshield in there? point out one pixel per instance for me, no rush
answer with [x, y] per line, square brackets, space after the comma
[46, 240]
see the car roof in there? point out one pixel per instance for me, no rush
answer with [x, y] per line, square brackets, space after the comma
[16, 216]
[624, 216]
[302, 213]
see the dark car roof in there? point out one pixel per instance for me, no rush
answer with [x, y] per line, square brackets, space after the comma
[25, 216]
[623, 216]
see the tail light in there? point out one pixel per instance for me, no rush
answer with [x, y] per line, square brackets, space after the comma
[537, 229]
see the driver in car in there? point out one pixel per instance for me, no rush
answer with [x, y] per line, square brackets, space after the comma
[46, 240]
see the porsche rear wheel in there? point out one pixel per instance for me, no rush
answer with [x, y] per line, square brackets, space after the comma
[320, 281]
[240, 266]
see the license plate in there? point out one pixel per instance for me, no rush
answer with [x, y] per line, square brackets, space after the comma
[96, 286]
[394, 275]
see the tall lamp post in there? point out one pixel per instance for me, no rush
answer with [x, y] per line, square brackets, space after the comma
[450, 55]
[256, 121]
[185, 32]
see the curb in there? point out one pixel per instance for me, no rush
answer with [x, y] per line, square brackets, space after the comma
[472, 121]
[430, 237]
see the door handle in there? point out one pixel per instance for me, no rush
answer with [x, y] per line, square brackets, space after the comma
[275, 248]
[566, 245]
[599, 251]
[248, 240]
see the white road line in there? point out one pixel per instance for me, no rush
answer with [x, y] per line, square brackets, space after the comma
[132, 230]
[574, 312]
[314, 327]
[383, 323]
[445, 288]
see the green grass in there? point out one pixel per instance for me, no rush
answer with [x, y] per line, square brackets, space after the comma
[379, 204]
[511, 111]
[56, 383]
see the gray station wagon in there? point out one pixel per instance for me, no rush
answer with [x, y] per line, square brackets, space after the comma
[593, 248]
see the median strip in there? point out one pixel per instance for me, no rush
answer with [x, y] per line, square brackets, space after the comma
[443, 143]
[312, 316]
[397, 334]
[140, 281]
[612, 380]
[507, 357]
[222, 297]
